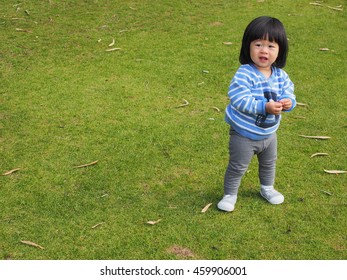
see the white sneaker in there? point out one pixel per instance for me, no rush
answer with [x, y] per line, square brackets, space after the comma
[272, 196]
[227, 203]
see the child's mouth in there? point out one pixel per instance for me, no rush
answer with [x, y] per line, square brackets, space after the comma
[263, 59]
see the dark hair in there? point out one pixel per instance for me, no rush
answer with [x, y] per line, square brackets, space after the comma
[265, 28]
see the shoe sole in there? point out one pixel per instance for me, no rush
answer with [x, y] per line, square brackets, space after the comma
[276, 203]
[225, 209]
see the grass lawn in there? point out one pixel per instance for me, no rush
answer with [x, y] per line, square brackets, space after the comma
[66, 101]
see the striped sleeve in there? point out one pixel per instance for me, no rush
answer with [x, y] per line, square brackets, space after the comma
[287, 89]
[241, 97]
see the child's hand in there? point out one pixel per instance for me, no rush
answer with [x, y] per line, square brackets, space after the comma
[286, 103]
[273, 108]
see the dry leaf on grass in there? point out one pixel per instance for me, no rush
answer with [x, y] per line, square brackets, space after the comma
[153, 222]
[113, 49]
[301, 104]
[87, 164]
[319, 154]
[328, 193]
[180, 252]
[110, 45]
[316, 4]
[32, 244]
[337, 8]
[227, 43]
[335, 171]
[216, 23]
[97, 225]
[316, 137]
[319, 3]
[206, 208]
[23, 30]
[216, 108]
[10, 172]
[186, 103]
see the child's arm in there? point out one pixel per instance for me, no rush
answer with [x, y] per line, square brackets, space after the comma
[287, 97]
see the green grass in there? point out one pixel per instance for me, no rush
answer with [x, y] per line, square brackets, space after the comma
[65, 101]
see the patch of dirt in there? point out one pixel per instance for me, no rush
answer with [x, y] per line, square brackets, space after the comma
[180, 252]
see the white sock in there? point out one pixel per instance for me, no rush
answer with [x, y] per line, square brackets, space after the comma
[267, 187]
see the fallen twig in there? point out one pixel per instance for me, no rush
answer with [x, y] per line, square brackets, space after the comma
[316, 4]
[337, 8]
[113, 49]
[32, 244]
[335, 171]
[206, 208]
[88, 164]
[110, 45]
[153, 222]
[316, 137]
[10, 172]
[186, 103]
[23, 30]
[319, 154]
[328, 193]
[97, 225]
[216, 108]
[301, 104]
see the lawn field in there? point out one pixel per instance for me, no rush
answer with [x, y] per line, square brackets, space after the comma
[136, 92]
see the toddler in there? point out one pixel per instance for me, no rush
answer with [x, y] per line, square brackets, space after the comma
[259, 92]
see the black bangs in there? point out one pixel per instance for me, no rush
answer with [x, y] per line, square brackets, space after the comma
[267, 28]
[270, 29]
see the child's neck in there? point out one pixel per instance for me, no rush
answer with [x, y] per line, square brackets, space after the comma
[267, 72]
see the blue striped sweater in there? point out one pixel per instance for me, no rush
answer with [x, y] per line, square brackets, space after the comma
[248, 92]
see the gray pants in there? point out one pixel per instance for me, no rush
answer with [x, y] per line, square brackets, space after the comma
[241, 151]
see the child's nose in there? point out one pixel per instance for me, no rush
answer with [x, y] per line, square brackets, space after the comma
[264, 49]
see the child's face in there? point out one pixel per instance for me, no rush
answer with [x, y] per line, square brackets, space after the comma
[263, 54]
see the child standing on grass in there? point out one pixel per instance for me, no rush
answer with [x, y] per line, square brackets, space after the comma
[259, 92]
